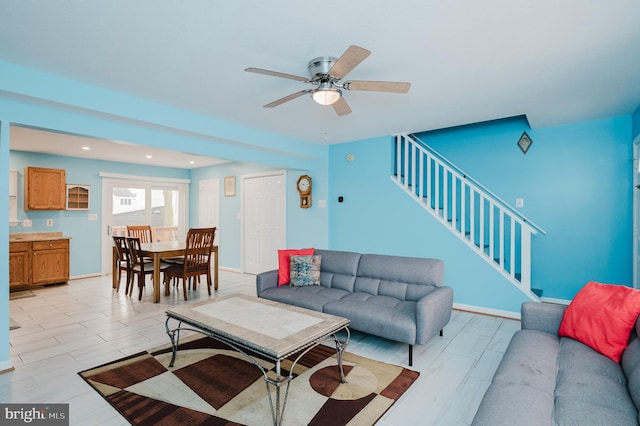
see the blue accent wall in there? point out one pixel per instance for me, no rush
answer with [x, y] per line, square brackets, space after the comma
[576, 181]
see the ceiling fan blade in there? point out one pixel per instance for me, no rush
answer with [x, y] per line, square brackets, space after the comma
[277, 74]
[286, 99]
[378, 86]
[348, 61]
[341, 107]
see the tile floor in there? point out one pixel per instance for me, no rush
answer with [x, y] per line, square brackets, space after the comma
[66, 329]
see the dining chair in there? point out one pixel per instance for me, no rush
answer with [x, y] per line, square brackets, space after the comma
[196, 260]
[143, 232]
[123, 262]
[140, 265]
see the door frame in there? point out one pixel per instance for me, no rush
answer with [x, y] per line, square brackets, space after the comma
[243, 179]
[109, 180]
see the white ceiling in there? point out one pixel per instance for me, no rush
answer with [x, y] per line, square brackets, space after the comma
[468, 61]
[37, 140]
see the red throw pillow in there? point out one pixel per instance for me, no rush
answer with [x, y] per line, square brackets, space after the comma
[284, 265]
[602, 316]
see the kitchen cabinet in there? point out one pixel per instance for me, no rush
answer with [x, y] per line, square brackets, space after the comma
[40, 261]
[19, 265]
[49, 262]
[45, 189]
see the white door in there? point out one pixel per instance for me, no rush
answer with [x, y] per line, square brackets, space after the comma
[209, 205]
[264, 221]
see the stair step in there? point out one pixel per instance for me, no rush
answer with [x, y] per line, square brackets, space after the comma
[537, 291]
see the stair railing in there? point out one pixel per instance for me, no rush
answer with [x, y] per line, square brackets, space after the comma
[496, 231]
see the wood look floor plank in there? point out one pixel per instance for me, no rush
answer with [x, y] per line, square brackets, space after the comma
[71, 328]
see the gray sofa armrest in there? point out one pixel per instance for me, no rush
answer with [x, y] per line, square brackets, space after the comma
[433, 312]
[266, 280]
[542, 316]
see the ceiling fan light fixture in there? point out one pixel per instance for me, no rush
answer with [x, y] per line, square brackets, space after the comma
[326, 96]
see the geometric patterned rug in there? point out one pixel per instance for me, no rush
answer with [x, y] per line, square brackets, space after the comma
[214, 385]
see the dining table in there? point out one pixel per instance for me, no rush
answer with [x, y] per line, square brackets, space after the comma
[163, 250]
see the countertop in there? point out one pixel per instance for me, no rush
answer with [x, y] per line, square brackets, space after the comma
[37, 236]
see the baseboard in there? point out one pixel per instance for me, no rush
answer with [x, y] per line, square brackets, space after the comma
[6, 366]
[80, 277]
[487, 311]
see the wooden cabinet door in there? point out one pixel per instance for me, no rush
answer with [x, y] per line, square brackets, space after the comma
[50, 262]
[45, 189]
[19, 265]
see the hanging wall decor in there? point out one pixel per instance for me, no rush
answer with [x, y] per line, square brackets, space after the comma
[525, 142]
[230, 186]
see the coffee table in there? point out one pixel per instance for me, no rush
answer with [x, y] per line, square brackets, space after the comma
[272, 330]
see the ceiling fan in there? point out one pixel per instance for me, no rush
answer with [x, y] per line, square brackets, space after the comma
[326, 72]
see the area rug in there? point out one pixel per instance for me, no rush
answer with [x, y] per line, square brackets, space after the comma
[212, 384]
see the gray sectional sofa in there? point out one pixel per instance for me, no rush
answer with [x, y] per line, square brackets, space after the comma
[398, 298]
[544, 379]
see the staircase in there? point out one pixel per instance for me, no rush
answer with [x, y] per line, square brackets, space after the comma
[490, 227]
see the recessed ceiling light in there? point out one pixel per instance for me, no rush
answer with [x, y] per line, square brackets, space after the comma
[86, 148]
[149, 156]
[192, 162]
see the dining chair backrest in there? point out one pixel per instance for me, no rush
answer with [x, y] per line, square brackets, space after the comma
[135, 252]
[198, 248]
[143, 232]
[122, 251]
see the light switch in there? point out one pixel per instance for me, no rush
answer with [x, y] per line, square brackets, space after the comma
[519, 203]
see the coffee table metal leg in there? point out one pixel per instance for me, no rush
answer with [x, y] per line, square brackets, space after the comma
[174, 336]
[340, 347]
[278, 403]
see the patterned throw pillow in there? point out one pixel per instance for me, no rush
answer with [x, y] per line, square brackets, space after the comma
[305, 270]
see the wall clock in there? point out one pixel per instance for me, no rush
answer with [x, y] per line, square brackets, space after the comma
[304, 188]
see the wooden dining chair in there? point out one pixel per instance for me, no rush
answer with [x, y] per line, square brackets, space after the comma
[196, 260]
[143, 232]
[123, 262]
[140, 266]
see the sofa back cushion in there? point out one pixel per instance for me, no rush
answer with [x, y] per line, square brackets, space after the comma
[631, 365]
[404, 278]
[338, 269]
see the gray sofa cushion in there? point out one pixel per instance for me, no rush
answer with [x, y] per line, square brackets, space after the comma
[631, 366]
[634, 386]
[366, 311]
[309, 297]
[411, 270]
[591, 389]
[338, 269]
[522, 389]
[510, 405]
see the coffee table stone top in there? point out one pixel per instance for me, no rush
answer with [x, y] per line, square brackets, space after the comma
[274, 329]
